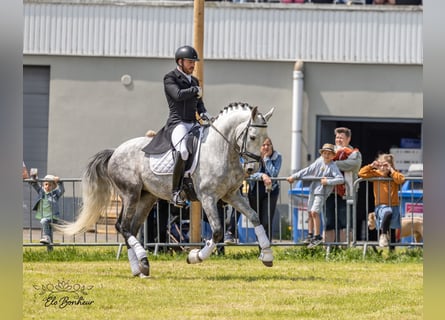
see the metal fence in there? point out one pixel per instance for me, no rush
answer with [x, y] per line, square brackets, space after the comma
[167, 227]
[411, 213]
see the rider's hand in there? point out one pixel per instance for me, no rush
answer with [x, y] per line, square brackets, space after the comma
[205, 116]
[199, 92]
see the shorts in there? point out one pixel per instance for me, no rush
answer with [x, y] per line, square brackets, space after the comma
[329, 215]
[315, 203]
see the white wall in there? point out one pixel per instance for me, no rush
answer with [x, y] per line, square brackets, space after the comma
[90, 109]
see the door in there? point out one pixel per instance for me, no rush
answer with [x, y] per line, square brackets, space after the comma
[371, 136]
[35, 130]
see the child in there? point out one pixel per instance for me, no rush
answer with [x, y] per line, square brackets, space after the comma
[385, 194]
[325, 169]
[47, 204]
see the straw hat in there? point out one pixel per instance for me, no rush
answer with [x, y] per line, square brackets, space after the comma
[49, 177]
[328, 147]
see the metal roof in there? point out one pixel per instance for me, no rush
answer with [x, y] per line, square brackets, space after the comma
[248, 31]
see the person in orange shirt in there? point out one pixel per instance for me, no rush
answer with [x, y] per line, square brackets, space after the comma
[386, 195]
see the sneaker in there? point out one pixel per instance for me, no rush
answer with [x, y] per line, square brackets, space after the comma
[308, 240]
[45, 240]
[383, 240]
[229, 239]
[315, 242]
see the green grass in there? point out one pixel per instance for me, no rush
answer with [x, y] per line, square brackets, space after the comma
[302, 284]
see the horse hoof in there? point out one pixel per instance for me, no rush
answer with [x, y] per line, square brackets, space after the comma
[266, 257]
[143, 276]
[144, 266]
[268, 263]
[193, 257]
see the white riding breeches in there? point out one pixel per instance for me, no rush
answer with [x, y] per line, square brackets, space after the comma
[179, 138]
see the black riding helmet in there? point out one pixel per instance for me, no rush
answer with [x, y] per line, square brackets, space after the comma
[186, 52]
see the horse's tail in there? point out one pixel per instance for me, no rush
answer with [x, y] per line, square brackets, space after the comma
[97, 188]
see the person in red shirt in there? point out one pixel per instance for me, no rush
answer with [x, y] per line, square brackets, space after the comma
[349, 160]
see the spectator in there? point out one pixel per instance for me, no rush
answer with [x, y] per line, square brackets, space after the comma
[263, 191]
[349, 161]
[386, 196]
[25, 174]
[291, 1]
[350, 2]
[329, 175]
[47, 204]
[156, 233]
[399, 2]
[178, 225]
[229, 236]
[384, 1]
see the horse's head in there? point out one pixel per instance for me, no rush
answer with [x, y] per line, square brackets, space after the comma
[251, 138]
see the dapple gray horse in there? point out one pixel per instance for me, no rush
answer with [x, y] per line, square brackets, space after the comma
[237, 132]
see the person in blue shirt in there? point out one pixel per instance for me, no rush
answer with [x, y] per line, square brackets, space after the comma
[262, 187]
[325, 175]
[46, 204]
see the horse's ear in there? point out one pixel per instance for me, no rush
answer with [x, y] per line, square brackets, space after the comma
[254, 113]
[269, 114]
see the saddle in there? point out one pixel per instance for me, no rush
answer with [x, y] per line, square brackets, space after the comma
[162, 163]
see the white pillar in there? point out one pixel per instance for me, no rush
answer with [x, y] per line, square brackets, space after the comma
[297, 116]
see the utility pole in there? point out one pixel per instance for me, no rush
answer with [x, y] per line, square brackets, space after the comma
[198, 40]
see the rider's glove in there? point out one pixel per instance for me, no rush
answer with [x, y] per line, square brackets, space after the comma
[199, 92]
[205, 116]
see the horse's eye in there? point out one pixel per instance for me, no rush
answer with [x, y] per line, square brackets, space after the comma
[252, 138]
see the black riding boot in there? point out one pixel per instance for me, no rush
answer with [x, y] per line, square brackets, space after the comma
[178, 174]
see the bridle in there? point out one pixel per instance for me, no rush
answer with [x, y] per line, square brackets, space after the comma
[243, 152]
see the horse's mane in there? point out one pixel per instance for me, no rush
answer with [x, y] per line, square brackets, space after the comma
[234, 106]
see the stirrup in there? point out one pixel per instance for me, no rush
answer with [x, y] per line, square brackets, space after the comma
[177, 200]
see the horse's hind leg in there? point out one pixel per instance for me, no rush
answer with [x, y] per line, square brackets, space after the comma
[132, 218]
[132, 257]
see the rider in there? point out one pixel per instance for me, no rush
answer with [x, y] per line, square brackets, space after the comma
[184, 97]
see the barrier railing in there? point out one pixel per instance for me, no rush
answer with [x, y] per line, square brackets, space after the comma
[167, 226]
[102, 233]
[410, 206]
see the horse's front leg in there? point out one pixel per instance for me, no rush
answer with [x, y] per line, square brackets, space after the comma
[211, 210]
[241, 204]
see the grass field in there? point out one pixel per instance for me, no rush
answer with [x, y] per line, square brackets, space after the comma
[302, 284]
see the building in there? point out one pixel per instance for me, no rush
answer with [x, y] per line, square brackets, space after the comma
[93, 72]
